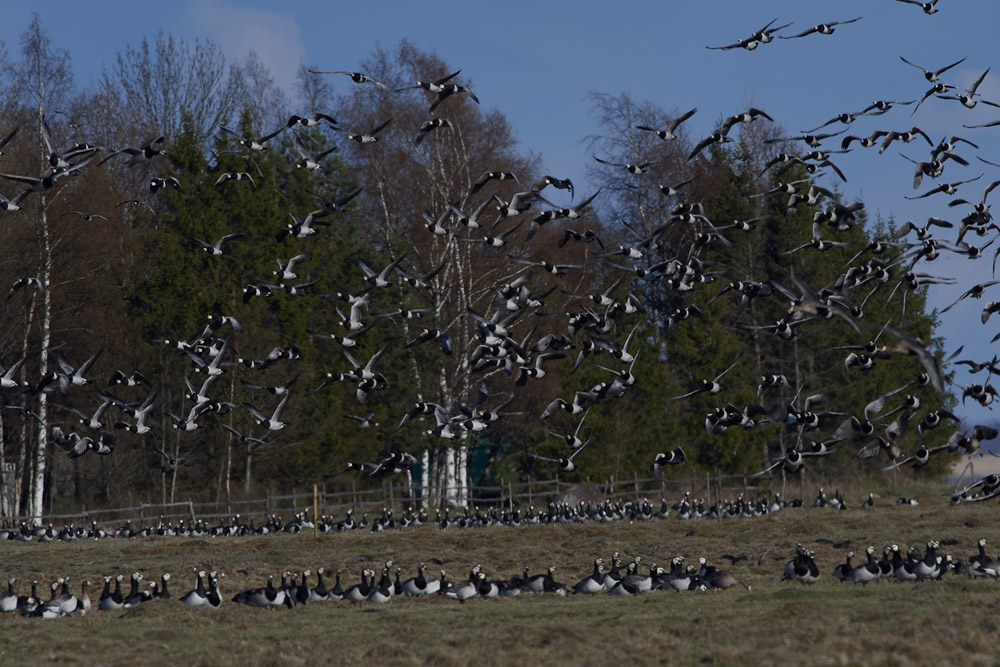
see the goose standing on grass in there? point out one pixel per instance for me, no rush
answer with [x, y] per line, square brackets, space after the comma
[112, 601]
[870, 571]
[319, 592]
[26, 604]
[8, 600]
[337, 592]
[359, 592]
[902, 569]
[980, 559]
[803, 567]
[464, 590]
[266, 597]
[213, 599]
[488, 589]
[50, 608]
[198, 597]
[382, 592]
[550, 585]
[420, 585]
[629, 584]
[614, 574]
[843, 571]
[930, 566]
[512, 587]
[595, 582]
[164, 593]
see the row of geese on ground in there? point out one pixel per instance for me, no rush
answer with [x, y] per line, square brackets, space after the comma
[620, 579]
[913, 565]
[558, 513]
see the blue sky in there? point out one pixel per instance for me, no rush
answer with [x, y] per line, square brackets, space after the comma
[537, 61]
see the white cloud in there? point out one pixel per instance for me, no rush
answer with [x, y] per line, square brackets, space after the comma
[239, 30]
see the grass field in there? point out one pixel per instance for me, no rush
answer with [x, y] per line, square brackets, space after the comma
[953, 621]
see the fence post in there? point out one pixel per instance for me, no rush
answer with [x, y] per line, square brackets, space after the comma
[315, 510]
[718, 497]
[267, 502]
[354, 496]
[635, 474]
[530, 501]
[191, 510]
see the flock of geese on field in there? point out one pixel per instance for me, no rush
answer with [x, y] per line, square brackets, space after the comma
[381, 586]
[557, 513]
[913, 566]
[590, 329]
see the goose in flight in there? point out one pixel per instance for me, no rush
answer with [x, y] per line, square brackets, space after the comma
[272, 423]
[932, 75]
[252, 143]
[669, 134]
[358, 77]
[369, 137]
[929, 8]
[565, 464]
[822, 28]
[215, 249]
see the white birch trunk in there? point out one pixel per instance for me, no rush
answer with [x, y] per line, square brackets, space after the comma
[41, 450]
[463, 476]
[425, 477]
[450, 481]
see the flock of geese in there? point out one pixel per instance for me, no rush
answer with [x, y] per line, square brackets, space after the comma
[375, 586]
[591, 330]
[557, 513]
[381, 586]
[913, 565]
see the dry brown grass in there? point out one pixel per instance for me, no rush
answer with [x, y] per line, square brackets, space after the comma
[949, 622]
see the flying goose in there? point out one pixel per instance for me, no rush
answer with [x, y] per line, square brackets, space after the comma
[711, 386]
[251, 143]
[369, 137]
[488, 176]
[358, 77]
[822, 28]
[310, 121]
[228, 176]
[669, 133]
[73, 376]
[272, 423]
[144, 153]
[967, 97]
[929, 8]
[565, 464]
[429, 126]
